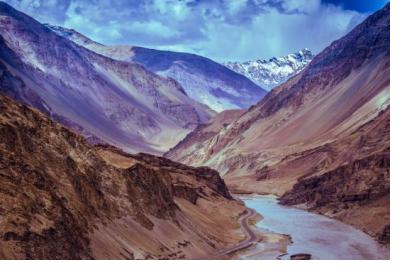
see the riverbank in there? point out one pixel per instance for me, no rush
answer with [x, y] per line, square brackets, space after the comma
[370, 219]
[286, 231]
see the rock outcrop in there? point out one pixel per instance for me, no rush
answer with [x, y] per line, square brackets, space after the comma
[61, 198]
[356, 193]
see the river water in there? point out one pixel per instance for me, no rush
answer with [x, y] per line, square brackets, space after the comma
[322, 237]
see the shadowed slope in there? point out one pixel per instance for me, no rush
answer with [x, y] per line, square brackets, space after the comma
[62, 198]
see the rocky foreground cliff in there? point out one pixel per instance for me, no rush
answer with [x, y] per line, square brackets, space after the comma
[331, 118]
[61, 198]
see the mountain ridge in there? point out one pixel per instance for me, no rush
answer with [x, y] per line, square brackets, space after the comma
[269, 73]
[117, 102]
[335, 112]
[203, 79]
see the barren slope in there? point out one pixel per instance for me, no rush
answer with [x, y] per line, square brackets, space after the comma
[332, 114]
[109, 101]
[62, 198]
[203, 79]
[195, 139]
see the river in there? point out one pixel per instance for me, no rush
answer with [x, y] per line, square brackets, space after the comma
[322, 237]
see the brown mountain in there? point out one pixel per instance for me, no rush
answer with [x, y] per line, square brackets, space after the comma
[61, 198]
[196, 139]
[331, 119]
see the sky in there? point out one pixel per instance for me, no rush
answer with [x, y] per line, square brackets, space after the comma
[224, 30]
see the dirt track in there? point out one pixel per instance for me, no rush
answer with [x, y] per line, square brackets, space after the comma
[250, 235]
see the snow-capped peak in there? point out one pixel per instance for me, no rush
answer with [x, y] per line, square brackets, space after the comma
[269, 73]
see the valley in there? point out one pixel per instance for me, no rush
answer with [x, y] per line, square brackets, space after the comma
[127, 152]
[320, 141]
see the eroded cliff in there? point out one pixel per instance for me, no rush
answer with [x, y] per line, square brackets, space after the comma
[61, 198]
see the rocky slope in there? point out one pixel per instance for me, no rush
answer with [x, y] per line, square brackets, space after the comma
[61, 198]
[334, 113]
[194, 140]
[274, 71]
[203, 79]
[353, 189]
[110, 101]
[356, 193]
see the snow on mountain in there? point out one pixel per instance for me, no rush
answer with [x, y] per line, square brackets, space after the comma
[203, 79]
[272, 72]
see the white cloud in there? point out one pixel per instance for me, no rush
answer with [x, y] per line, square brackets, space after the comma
[236, 6]
[223, 30]
[152, 28]
[272, 33]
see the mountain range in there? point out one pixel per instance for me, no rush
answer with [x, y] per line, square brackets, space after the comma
[274, 71]
[83, 127]
[319, 140]
[203, 79]
[108, 100]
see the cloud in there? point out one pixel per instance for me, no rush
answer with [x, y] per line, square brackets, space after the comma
[220, 29]
[42, 10]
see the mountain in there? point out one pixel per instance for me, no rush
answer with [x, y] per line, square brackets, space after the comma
[110, 101]
[321, 139]
[204, 80]
[62, 198]
[197, 140]
[272, 72]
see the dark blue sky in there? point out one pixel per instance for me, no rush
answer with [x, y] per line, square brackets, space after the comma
[362, 6]
[220, 29]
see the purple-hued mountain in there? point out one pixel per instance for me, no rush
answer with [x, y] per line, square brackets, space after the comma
[202, 78]
[108, 100]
